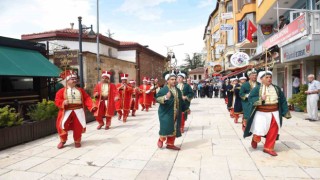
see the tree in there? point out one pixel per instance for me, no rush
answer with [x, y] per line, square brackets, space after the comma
[192, 63]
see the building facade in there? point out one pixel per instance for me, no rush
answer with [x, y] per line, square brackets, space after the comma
[116, 56]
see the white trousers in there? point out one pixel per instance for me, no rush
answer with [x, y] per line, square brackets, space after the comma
[312, 106]
[261, 122]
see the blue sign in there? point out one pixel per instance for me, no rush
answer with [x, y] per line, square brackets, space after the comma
[241, 31]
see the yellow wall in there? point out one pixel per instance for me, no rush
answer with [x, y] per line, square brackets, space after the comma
[263, 9]
[247, 8]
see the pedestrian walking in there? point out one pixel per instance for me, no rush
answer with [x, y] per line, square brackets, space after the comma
[71, 102]
[105, 94]
[312, 98]
[170, 99]
[270, 105]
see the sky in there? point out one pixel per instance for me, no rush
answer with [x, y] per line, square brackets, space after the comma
[156, 23]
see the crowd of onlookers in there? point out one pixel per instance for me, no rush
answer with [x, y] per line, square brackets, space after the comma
[206, 89]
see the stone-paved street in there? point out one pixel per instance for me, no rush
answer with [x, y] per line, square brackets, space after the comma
[212, 148]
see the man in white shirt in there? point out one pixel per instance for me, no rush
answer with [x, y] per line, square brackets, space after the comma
[312, 98]
[295, 85]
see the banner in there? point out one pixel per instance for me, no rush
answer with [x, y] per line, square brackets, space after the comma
[241, 31]
[291, 32]
[251, 29]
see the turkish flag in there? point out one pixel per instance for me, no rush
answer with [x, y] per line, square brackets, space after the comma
[251, 29]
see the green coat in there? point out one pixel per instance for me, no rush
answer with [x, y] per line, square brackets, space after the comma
[255, 100]
[186, 91]
[169, 126]
[244, 93]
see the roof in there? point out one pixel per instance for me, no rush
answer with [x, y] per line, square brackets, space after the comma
[197, 70]
[210, 16]
[70, 33]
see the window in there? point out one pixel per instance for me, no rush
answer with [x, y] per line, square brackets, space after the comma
[229, 6]
[110, 52]
[216, 20]
[230, 37]
[195, 77]
[317, 5]
[200, 77]
[16, 84]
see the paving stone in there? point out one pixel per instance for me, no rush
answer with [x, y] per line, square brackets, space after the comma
[18, 175]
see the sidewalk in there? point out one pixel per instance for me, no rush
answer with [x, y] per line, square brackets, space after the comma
[212, 148]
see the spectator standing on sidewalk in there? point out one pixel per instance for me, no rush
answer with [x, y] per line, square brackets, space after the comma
[195, 89]
[312, 98]
[199, 89]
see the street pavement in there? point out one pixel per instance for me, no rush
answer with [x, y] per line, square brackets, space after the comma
[212, 148]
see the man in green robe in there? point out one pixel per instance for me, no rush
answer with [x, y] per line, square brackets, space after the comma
[170, 99]
[244, 94]
[268, 105]
[187, 95]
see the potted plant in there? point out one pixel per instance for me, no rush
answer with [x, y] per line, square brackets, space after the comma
[12, 129]
[43, 114]
[299, 100]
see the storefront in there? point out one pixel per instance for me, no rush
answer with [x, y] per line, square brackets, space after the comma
[300, 59]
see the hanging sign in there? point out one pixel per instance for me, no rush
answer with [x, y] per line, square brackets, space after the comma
[239, 59]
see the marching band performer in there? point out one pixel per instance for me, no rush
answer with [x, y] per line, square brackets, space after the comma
[245, 90]
[144, 98]
[125, 92]
[187, 95]
[105, 94]
[134, 104]
[71, 102]
[269, 105]
[170, 99]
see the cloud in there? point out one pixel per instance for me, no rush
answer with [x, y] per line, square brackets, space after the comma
[43, 15]
[206, 3]
[147, 10]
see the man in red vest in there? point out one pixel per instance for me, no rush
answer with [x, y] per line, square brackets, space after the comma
[71, 102]
[105, 94]
[125, 93]
[144, 98]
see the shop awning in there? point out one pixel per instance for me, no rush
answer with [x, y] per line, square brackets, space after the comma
[22, 62]
[236, 72]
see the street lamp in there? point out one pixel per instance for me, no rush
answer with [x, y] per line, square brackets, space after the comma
[91, 34]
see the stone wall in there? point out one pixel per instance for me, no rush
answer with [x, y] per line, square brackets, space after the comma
[107, 63]
[151, 66]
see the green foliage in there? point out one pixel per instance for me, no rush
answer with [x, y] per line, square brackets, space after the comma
[300, 100]
[43, 111]
[9, 117]
[192, 63]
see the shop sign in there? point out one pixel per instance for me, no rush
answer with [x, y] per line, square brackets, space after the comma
[241, 31]
[239, 59]
[289, 33]
[295, 51]
[63, 59]
[226, 27]
[266, 29]
[228, 15]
